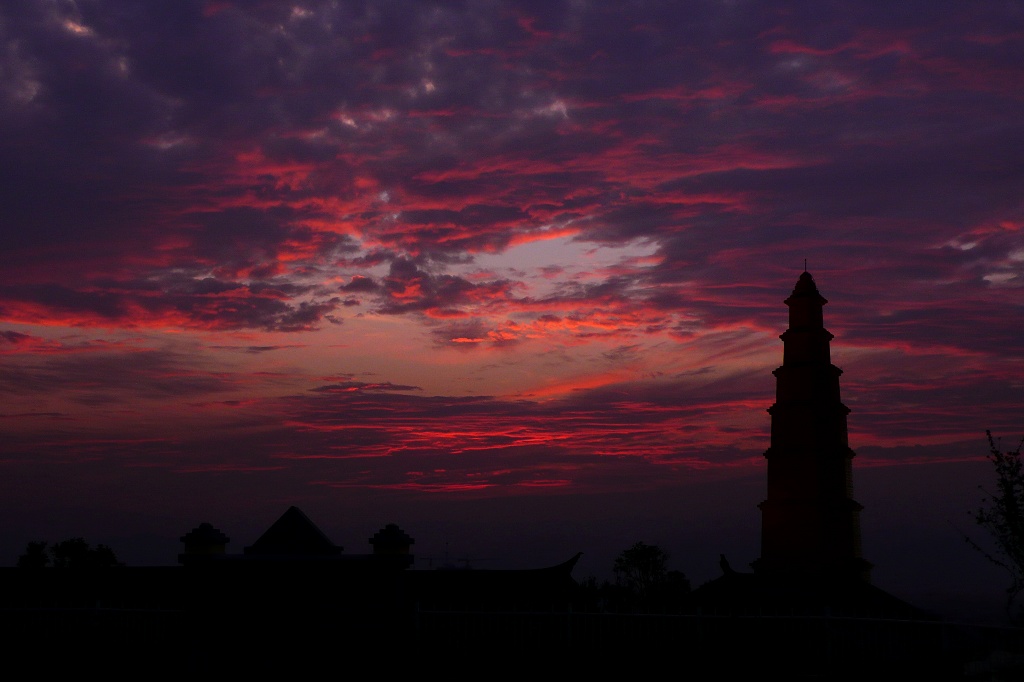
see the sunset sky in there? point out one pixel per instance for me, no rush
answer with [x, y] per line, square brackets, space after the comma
[508, 274]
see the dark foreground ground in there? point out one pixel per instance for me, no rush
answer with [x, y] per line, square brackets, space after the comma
[484, 645]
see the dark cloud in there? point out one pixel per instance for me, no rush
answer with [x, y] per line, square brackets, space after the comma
[361, 284]
[361, 386]
[106, 377]
[198, 304]
[14, 338]
[235, 137]
[256, 349]
[409, 288]
[466, 334]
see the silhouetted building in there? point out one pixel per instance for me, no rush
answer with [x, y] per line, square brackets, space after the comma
[291, 591]
[202, 543]
[810, 559]
[291, 537]
[294, 565]
[810, 525]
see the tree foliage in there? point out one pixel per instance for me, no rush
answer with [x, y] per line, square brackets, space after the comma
[1002, 514]
[74, 553]
[641, 567]
[644, 582]
[35, 556]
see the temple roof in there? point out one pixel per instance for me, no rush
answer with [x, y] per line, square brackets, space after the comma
[293, 534]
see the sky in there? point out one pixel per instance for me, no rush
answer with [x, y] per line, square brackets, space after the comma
[508, 274]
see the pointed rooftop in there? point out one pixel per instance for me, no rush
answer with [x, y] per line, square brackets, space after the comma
[293, 535]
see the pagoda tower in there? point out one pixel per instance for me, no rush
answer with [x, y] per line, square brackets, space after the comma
[810, 524]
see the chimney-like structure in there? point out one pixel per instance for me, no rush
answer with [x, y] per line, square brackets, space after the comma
[810, 524]
[203, 544]
[391, 547]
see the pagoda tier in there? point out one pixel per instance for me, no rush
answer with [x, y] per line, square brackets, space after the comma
[810, 524]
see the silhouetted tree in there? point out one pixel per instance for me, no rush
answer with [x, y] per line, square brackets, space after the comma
[640, 567]
[672, 593]
[71, 553]
[1002, 514]
[643, 571]
[35, 556]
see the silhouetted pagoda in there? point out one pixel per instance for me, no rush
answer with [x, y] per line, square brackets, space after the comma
[810, 524]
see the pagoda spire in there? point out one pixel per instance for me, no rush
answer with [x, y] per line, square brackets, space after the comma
[810, 523]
